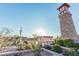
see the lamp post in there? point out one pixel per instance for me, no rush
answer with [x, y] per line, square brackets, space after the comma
[20, 32]
[20, 40]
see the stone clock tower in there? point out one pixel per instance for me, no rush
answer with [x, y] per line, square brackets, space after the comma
[67, 27]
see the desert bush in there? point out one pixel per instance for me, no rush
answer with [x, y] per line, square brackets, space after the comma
[28, 46]
[36, 50]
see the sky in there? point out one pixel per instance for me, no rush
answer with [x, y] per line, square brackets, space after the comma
[32, 17]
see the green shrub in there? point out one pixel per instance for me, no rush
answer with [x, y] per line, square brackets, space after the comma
[76, 45]
[72, 52]
[47, 47]
[60, 42]
[68, 43]
[57, 48]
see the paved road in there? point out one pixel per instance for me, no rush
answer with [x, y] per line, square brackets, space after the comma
[8, 49]
[12, 52]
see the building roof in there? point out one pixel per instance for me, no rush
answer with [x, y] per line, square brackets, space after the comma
[65, 4]
[46, 36]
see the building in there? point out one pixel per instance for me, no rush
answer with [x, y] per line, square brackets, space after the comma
[67, 27]
[46, 40]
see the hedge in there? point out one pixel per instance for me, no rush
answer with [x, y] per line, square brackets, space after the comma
[60, 42]
[68, 43]
[57, 48]
[76, 45]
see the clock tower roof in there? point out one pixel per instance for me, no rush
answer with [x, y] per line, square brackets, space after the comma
[65, 4]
